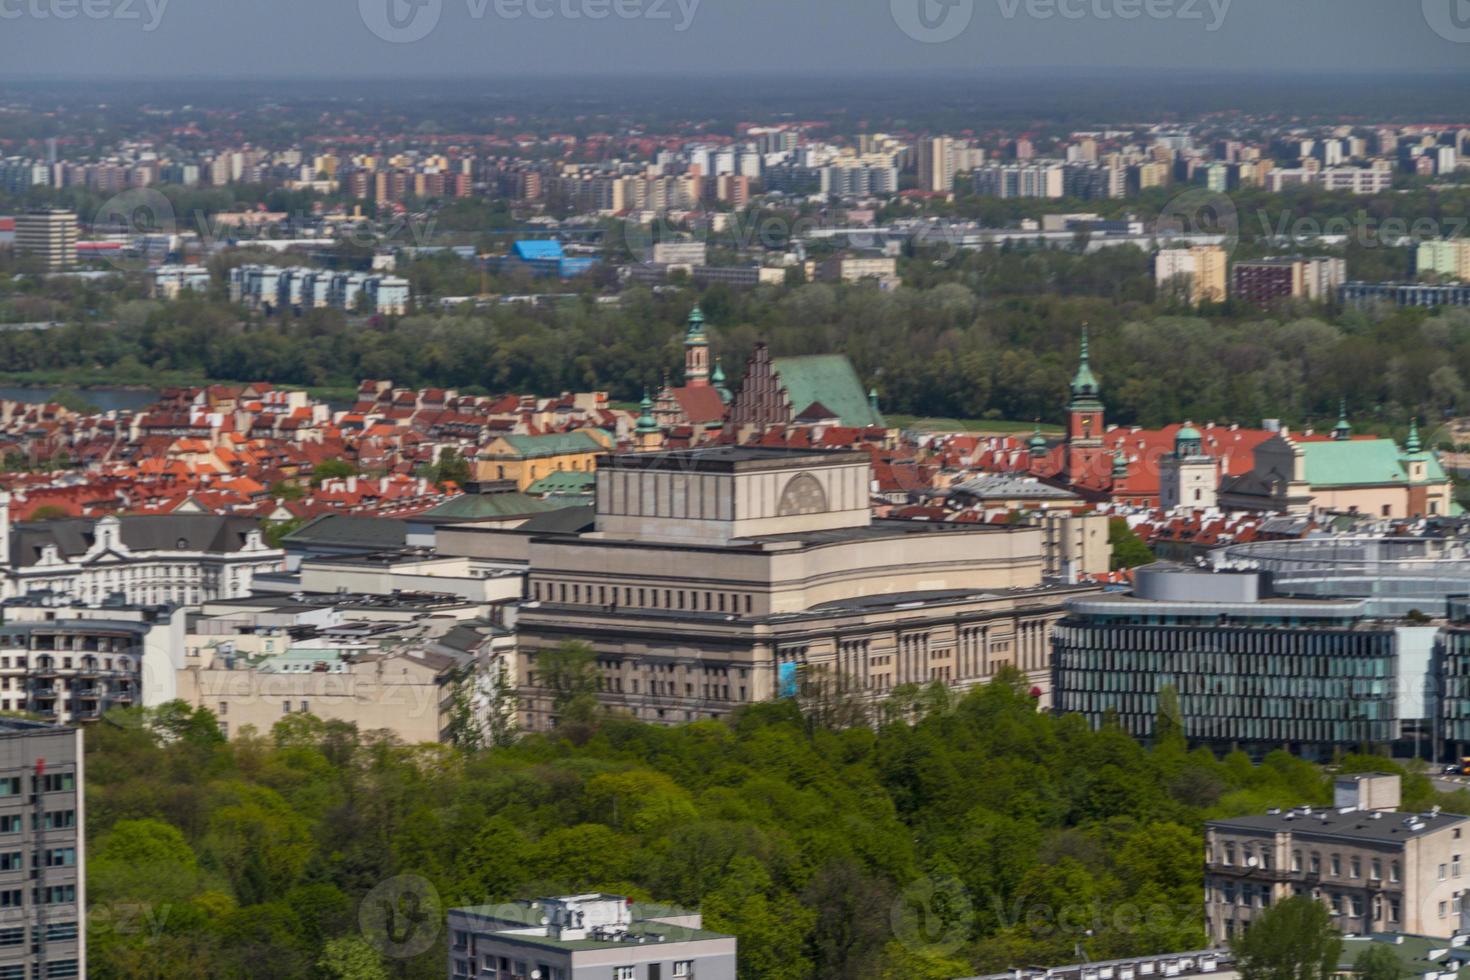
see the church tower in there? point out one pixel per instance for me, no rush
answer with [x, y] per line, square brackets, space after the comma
[1188, 478]
[647, 435]
[696, 351]
[1084, 419]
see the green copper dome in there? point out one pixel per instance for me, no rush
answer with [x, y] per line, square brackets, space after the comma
[646, 422]
[695, 333]
[1188, 434]
[1037, 441]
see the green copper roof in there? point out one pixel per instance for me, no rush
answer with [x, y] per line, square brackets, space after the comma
[1360, 462]
[1343, 430]
[717, 378]
[1188, 434]
[830, 380]
[695, 333]
[476, 506]
[1037, 441]
[564, 482]
[646, 421]
[1120, 465]
[556, 444]
[1085, 388]
[1412, 444]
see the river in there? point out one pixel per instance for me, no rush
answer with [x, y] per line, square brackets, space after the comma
[107, 399]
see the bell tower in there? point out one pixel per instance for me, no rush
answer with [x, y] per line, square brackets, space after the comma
[696, 351]
[1084, 417]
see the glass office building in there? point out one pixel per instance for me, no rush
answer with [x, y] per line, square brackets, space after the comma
[1251, 669]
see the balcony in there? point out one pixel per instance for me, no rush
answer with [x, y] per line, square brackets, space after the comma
[1255, 874]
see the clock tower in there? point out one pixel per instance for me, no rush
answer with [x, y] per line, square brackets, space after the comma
[1084, 419]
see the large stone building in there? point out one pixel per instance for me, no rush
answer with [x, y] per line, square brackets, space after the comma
[720, 576]
[1296, 473]
[175, 559]
[1376, 869]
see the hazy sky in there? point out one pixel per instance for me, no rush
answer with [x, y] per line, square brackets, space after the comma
[294, 38]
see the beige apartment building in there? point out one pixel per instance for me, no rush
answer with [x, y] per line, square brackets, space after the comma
[720, 576]
[1377, 869]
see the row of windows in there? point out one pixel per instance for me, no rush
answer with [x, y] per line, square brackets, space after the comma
[10, 823]
[1226, 653]
[51, 782]
[55, 932]
[611, 596]
[1076, 696]
[1098, 709]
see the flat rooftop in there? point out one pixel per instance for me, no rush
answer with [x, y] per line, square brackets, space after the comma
[1378, 826]
[730, 459]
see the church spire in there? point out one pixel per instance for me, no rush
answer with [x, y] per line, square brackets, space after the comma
[1085, 389]
[1412, 444]
[1343, 430]
[646, 421]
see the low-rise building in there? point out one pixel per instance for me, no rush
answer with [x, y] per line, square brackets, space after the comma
[1377, 870]
[586, 937]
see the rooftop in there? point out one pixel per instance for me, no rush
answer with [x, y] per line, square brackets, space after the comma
[731, 459]
[1351, 822]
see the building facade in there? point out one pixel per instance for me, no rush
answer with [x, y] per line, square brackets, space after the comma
[152, 560]
[586, 937]
[50, 236]
[1250, 670]
[1376, 869]
[43, 882]
[718, 577]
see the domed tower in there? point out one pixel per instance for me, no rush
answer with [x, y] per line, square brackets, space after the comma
[696, 351]
[647, 436]
[1188, 478]
[717, 378]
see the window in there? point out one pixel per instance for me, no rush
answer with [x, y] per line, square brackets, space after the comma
[53, 894]
[1442, 908]
[1375, 870]
[10, 823]
[12, 937]
[55, 820]
[10, 786]
[1393, 871]
[12, 861]
[1455, 865]
[61, 857]
[10, 898]
[1442, 871]
[1337, 866]
[58, 782]
[285, 707]
[1316, 863]
[305, 707]
[624, 973]
[1356, 868]
[684, 968]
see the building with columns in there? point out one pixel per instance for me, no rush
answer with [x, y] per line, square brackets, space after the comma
[719, 576]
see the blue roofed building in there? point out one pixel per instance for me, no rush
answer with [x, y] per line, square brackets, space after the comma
[545, 257]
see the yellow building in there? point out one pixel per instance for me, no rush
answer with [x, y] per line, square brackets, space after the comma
[526, 459]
